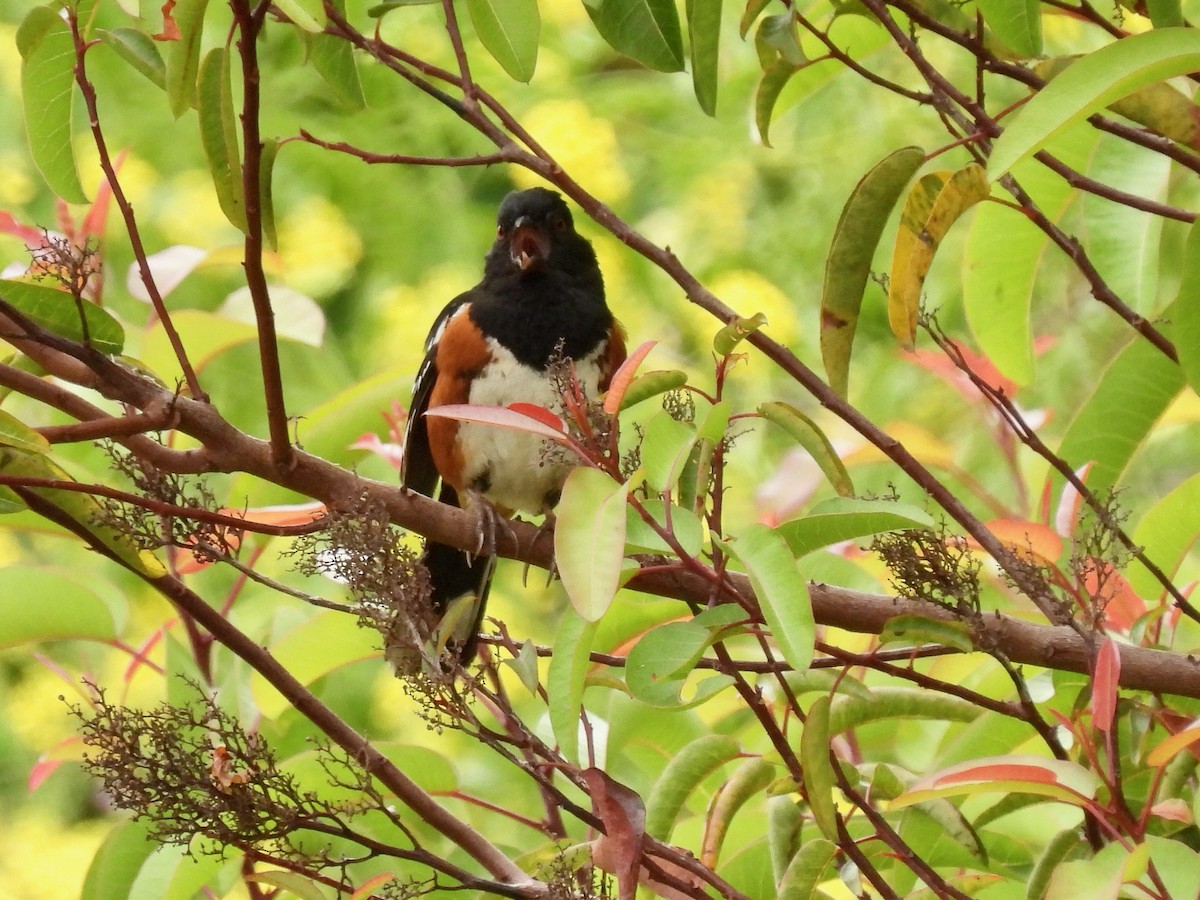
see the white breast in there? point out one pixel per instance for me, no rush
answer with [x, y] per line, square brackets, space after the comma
[518, 470]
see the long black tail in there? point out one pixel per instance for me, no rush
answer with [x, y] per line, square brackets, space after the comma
[454, 574]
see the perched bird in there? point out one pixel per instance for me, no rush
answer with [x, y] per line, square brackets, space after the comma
[541, 301]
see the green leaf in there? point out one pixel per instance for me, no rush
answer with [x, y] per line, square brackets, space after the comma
[898, 703]
[726, 340]
[683, 774]
[646, 30]
[333, 58]
[843, 519]
[116, 864]
[817, 768]
[1166, 532]
[752, 776]
[660, 662]
[774, 80]
[1067, 844]
[1125, 243]
[1165, 13]
[848, 265]
[665, 451]
[1185, 312]
[1133, 393]
[1016, 23]
[43, 604]
[266, 175]
[1177, 864]
[327, 641]
[589, 539]
[1092, 83]
[1000, 277]
[139, 50]
[79, 506]
[753, 10]
[47, 91]
[58, 313]
[809, 868]
[15, 433]
[183, 57]
[777, 40]
[307, 15]
[784, 823]
[509, 30]
[218, 134]
[294, 883]
[916, 630]
[651, 384]
[806, 433]
[566, 680]
[704, 35]
[685, 525]
[782, 594]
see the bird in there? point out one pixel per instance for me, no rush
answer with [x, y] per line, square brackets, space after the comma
[541, 302]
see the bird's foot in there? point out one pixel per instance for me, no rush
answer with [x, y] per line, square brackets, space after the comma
[489, 520]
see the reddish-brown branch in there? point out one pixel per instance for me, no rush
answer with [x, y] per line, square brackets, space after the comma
[256, 279]
[88, 92]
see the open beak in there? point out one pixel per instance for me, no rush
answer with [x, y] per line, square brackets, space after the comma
[529, 245]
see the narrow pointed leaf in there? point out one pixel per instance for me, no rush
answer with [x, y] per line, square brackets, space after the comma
[509, 30]
[183, 55]
[810, 867]
[270, 149]
[933, 205]
[139, 50]
[1185, 312]
[704, 37]
[1166, 532]
[848, 265]
[845, 519]
[1060, 779]
[1104, 685]
[15, 433]
[685, 526]
[682, 775]
[589, 539]
[1092, 83]
[819, 777]
[47, 91]
[518, 417]
[652, 384]
[752, 776]
[1133, 393]
[307, 15]
[614, 398]
[806, 433]
[646, 30]
[566, 678]
[774, 80]
[750, 14]
[218, 134]
[782, 594]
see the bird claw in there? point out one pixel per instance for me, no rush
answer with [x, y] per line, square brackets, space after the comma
[488, 521]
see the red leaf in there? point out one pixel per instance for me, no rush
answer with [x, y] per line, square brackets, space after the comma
[1104, 685]
[170, 29]
[519, 417]
[623, 376]
[32, 237]
[1000, 772]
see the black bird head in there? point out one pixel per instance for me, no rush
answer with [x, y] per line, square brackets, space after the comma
[534, 232]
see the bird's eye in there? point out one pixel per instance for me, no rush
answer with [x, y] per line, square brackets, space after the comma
[560, 224]
[499, 231]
